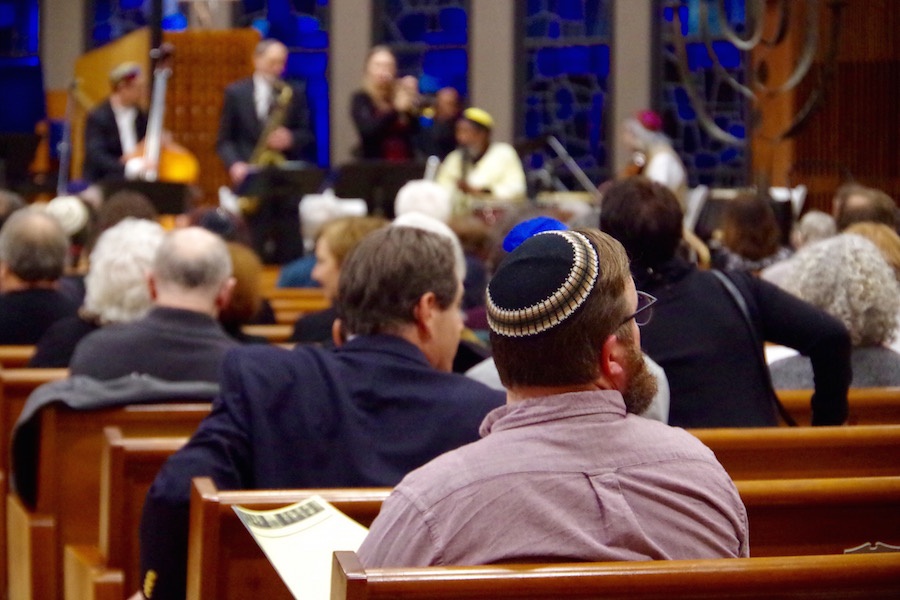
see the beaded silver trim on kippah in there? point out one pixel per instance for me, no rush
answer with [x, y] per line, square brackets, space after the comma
[551, 311]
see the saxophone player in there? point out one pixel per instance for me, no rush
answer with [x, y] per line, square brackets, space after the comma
[245, 127]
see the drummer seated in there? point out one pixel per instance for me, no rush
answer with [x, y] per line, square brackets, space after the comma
[479, 169]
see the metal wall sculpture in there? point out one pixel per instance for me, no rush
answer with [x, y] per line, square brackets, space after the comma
[758, 86]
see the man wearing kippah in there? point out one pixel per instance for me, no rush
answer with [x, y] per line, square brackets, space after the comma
[566, 470]
[114, 128]
[479, 169]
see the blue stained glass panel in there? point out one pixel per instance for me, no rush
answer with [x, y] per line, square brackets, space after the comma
[430, 39]
[708, 160]
[566, 83]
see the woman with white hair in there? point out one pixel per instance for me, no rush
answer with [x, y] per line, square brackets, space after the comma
[847, 276]
[116, 289]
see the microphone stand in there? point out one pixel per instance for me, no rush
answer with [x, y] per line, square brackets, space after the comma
[573, 167]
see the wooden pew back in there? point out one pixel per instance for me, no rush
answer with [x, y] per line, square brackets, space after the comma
[805, 452]
[787, 518]
[223, 559]
[291, 303]
[15, 387]
[15, 357]
[71, 444]
[795, 577]
[868, 406]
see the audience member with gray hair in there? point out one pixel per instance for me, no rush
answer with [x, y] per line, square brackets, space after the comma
[812, 227]
[116, 289]
[10, 202]
[33, 250]
[848, 278]
[180, 338]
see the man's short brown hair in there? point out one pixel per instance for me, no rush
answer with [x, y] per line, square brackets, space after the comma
[387, 273]
[568, 353]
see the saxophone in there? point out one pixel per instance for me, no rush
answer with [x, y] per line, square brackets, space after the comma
[263, 156]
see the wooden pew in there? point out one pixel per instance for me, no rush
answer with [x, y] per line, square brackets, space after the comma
[15, 387]
[276, 334]
[795, 577]
[787, 518]
[15, 357]
[868, 406]
[69, 480]
[223, 559]
[291, 303]
[805, 452]
[112, 568]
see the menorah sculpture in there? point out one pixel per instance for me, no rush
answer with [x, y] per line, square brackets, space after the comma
[758, 89]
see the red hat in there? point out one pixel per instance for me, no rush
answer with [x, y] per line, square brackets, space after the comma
[650, 120]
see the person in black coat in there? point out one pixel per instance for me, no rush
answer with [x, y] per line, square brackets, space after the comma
[381, 405]
[248, 106]
[114, 128]
[708, 328]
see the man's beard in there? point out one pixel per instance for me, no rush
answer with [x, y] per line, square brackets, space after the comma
[641, 386]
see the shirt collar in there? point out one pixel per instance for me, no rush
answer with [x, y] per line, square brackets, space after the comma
[553, 408]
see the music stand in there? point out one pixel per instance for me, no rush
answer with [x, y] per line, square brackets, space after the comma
[16, 154]
[377, 182]
[166, 197]
[291, 179]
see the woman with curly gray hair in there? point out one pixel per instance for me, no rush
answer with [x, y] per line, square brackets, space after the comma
[848, 277]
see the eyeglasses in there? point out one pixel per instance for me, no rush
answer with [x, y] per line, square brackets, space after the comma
[644, 311]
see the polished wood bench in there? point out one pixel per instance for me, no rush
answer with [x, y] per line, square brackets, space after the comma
[223, 559]
[794, 577]
[111, 568]
[289, 304]
[68, 486]
[15, 357]
[867, 406]
[15, 387]
[805, 452]
[787, 518]
[275, 334]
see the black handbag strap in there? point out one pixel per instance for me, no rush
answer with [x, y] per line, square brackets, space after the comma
[741, 302]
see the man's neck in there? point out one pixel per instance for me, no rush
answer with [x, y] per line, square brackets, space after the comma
[14, 284]
[189, 304]
[522, 393]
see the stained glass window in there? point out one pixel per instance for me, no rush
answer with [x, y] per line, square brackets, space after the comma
[22, 103]
[708, 160]
[430, 39]
[565, 83]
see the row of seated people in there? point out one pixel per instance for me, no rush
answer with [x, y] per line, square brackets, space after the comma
[435, 321]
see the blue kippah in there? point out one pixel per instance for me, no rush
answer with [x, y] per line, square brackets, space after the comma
[526, 229]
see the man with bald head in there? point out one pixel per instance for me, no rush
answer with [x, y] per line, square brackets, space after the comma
[33, 248]
[180, 338]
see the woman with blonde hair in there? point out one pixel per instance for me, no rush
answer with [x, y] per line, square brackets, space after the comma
[333, 244]
[385, 109]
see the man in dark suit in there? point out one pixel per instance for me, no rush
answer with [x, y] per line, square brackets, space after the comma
[249, 106]
[382, 404]
[114, 128]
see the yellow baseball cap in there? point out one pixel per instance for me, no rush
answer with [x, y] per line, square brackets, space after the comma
[479, 117]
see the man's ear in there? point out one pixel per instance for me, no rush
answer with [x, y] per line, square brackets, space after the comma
[225, 292]
[151, 286]
[612, 362]
[338, 335]
[424, 313]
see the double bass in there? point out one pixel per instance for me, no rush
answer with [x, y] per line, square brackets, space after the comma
[156, 158]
